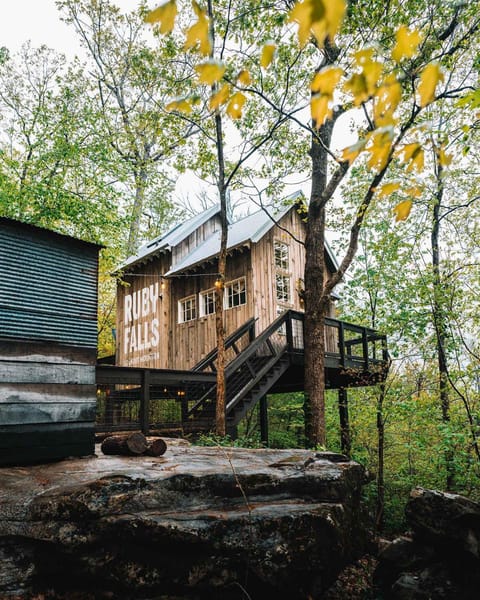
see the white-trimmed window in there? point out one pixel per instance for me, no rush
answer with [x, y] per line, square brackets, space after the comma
[280, 251]
[235, 293]
[207, 303]
[187, 309]
[282, 287]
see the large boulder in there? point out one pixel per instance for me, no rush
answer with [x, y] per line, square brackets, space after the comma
[441, 558]
[194, 523]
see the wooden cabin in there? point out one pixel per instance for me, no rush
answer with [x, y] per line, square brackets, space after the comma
[48, 344]
[165, 300]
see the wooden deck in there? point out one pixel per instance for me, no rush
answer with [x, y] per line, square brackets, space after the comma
[272, 362]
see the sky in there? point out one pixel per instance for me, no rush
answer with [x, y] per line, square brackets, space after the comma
[38, 21]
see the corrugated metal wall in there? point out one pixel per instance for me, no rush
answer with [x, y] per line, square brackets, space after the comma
[48, 286]
[48, 344]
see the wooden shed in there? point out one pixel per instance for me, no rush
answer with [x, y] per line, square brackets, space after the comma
[48, 344]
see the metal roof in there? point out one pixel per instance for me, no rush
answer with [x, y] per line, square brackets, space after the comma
[170, 239]
[241, 233]
[249, 229]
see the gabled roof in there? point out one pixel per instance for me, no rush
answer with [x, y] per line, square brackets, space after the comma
[241, 233]
[168, 240]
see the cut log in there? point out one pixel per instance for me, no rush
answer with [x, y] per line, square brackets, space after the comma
[156, 447]
[132, 444]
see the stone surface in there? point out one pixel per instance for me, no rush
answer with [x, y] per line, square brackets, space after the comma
[441, 559]
[193, 523]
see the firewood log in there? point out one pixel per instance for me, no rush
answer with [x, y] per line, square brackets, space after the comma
[156, 447]
[132, 444]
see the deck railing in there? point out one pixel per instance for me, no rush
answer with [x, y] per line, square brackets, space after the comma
[146, 399]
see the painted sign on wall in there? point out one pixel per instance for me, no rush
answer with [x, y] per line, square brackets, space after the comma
[140, 320]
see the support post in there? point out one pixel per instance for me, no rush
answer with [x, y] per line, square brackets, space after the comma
[345, 441]
[145, 403]
[264, 421]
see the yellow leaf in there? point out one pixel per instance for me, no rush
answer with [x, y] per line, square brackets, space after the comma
[408, 151]
[165, 15]
[326, 80]
[244, 78]
[444, 158]
[351, 153]
[357, 85]
[379, 148]
[402, 210]
[388, 188]
[268, 52]
[210, 72]
[182, 105]
[220, 97]
[319, 106]
[323, 18]
[387, 98]
[363, 84]
[334, 13]
[235, 106]
[199, 34]
[413, 154]
[414, 192]
[429, 78]
[406, 43]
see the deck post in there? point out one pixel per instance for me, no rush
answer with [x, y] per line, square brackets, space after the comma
[145, 402]
[345, 441]
[264, 420]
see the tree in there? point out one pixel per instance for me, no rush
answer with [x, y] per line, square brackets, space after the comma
[333, 71]
[52, 164]
[133, 81]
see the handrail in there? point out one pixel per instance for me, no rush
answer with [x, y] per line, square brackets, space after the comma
[229, 342]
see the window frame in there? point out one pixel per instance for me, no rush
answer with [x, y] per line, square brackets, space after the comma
[203, 296]
[282, 262]
[182, 310]
[241, 293]
[285, 289]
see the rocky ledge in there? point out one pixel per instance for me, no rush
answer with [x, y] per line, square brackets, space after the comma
[440, 559]
[194, 523]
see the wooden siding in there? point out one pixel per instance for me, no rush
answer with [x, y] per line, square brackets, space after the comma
[47, 401]
[137, 331]
[193, 340]
[195, 239]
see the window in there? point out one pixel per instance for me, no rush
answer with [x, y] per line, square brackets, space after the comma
[235, 293]
[281, 255]
[187, 309]
[282, 286]
[207, 303]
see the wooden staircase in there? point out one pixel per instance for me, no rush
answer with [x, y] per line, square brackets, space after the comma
[271, 362]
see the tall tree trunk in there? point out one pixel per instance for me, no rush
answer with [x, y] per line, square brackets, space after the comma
[220, 424]
[134, 230]
[439, 320]
[380, 504]
[316, 301]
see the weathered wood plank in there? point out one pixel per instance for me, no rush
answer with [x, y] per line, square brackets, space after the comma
[55, 412]
[42, 352]
[46, 392]
[42, 372]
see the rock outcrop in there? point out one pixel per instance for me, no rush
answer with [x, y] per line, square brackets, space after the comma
[194, 523]
[441, 559]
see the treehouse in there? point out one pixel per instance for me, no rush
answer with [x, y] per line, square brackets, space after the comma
[166, 319]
